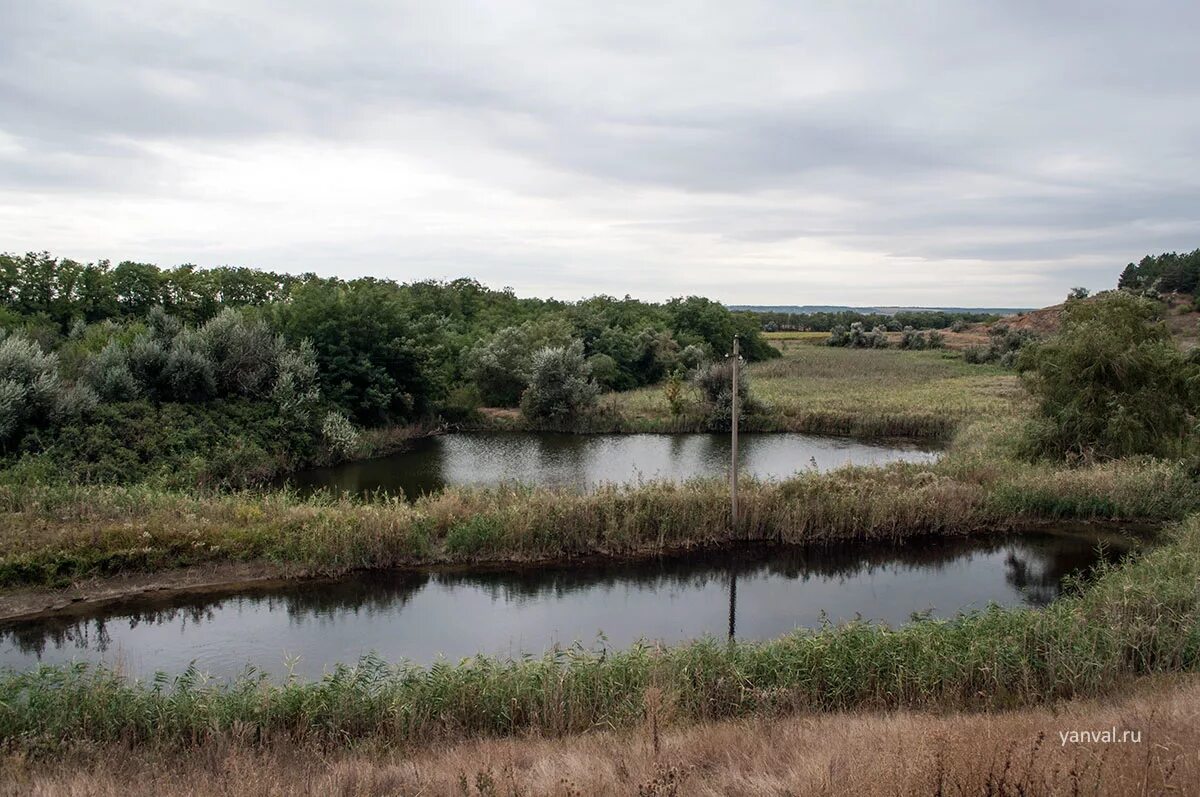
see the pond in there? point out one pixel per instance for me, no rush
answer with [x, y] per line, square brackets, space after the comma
[753, 592]
[583, 461]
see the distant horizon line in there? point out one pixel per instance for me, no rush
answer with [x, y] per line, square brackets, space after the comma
[878, 308]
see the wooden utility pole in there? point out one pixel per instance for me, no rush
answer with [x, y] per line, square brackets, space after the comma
[733, 465]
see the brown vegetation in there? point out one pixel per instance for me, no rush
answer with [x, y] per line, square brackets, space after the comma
[900, 753]
[1180, 316]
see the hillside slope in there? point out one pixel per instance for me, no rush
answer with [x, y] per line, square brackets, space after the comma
[1182, 320]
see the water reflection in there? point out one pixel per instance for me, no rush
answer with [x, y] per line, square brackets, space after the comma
[587, 460]
[756, 592]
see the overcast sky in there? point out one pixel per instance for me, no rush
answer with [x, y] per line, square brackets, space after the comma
[770, 153]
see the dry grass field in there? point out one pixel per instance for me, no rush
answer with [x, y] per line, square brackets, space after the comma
[867, 754]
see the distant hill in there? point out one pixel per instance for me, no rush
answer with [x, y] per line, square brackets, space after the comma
[833, 308]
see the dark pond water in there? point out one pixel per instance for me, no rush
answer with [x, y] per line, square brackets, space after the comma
[583, 461]
[760, 592]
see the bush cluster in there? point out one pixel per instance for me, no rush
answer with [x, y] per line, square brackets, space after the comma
[1003, 348]
[561, 389]
[859, 337]
[916, 340]
[714, 381]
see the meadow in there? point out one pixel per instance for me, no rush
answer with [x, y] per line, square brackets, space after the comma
[862, 393]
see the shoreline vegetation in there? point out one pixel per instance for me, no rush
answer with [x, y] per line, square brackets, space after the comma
[53, 535]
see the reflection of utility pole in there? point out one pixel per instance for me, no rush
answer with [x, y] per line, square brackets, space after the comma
[733, 465]
[732, 604]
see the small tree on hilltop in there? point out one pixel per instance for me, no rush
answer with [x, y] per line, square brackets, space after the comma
[1111, 383]
[560, 385]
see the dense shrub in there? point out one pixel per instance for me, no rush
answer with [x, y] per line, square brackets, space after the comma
[74, 402]
[858, 337]
[1004, 346]
[500, 366]
[109, 374]
[244, 351]
[561, 389]
[29, 385]
[221, 443]
[296, 390]
[715, 384]
[339, 434]
[673, 393]
[189, 371]
[692, 357]
[606, 371]
[1112, 383]
[146, 359]
[916, 340]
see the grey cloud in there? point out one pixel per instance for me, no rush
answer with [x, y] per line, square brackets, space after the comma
[942, 131]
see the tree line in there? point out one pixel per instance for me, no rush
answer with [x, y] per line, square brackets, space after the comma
[1168, 272]
[81, 337]
[827, 321]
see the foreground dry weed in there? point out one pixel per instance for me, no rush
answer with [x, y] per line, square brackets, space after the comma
[905, 753]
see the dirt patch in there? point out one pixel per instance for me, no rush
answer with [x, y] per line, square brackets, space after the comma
[1181, 318]
[85, 596]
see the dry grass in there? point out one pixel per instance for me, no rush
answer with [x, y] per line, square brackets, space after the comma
[900, 753]
[55, 535]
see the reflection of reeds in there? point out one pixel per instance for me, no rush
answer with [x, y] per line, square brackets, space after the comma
[1137, 619]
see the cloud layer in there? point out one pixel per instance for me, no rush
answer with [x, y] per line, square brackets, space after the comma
[791, 153]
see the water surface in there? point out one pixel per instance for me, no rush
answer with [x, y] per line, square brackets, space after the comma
[756, 592]
[583, 461]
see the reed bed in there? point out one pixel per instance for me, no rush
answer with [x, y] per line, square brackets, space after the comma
[57, 534]
[1133, 620]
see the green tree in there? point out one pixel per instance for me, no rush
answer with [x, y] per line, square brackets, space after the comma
[1111, 383]
[560, 389]
[372, 357]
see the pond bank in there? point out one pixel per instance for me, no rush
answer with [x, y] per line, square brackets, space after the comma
[55, 535]
[867, 754]
[749, 591]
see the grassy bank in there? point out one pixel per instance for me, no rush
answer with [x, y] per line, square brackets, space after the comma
[1134, 620]
[907, 753]
[52, 535]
